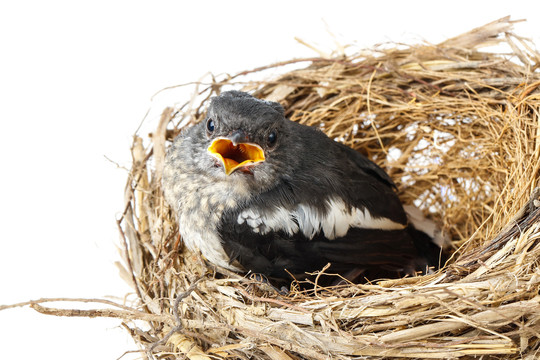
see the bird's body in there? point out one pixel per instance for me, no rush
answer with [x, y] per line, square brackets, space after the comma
[254, 191]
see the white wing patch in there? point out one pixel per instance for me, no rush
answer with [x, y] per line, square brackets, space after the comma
[279, 219]
[334, 224]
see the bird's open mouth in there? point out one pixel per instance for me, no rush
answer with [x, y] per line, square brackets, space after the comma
[234, 157]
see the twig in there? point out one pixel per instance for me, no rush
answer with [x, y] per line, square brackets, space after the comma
[110, 313]
[179, 325]
[45, 300]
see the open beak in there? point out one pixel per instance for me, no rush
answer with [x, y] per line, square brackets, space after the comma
[237, 156]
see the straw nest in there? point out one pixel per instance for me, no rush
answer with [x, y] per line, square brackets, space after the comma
[459, 131]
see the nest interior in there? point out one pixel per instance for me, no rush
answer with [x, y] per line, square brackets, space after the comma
[457, 128]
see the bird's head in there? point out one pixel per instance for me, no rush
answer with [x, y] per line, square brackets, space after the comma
[244, 139]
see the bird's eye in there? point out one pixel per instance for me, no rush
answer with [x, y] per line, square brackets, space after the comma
[272, 138]
[210, 125]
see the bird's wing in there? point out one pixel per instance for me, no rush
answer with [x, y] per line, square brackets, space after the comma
[278, 253]
[365, 164]
[366, 186]
[330, 173]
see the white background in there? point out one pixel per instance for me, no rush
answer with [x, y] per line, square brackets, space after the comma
[76, 79]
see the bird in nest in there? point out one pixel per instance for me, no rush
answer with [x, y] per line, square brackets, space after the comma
[256, 192]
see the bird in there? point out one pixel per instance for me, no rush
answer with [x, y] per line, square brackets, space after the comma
[255, 192]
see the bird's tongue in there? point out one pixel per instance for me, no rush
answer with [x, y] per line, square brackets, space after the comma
[235, 156]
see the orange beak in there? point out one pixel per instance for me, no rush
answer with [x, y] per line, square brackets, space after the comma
[233, 156]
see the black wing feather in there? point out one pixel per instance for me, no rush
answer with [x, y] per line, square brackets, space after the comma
[342, 172]
[276, 254]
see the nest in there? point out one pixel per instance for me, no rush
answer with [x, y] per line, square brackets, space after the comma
[458, 130]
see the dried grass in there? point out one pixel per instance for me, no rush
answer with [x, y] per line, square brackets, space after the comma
[459, 131]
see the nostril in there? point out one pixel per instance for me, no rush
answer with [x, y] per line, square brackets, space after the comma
[238, 137]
